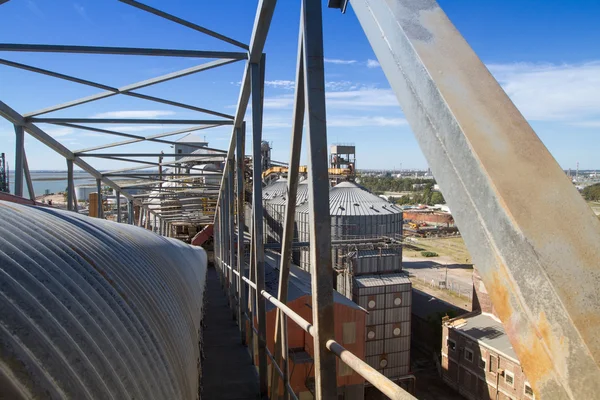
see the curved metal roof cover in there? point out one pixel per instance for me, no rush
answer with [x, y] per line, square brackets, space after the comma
[93, 308]
[350, 199]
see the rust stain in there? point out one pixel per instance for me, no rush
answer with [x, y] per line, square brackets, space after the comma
[528, 344]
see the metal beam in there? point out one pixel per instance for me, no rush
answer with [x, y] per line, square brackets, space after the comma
[105, 155]
[19, 165]
[148, 121]
[17, 119]
[185, 23]
[505, 190]
[262, 22]
[112, 89]
[122, 90]
[241, 265]
[70, 184]
[318, 200]
[28, 180]
[281, 355]
[128, 51]
[257, 72]
[118, 194]
[99, 189]
[130, 212]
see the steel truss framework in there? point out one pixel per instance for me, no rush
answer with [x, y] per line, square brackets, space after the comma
[540, 273]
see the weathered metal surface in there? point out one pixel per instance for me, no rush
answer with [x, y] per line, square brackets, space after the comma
[96, 309]
[318, 199]
[258, 80]
[281, 354]
[505, 190]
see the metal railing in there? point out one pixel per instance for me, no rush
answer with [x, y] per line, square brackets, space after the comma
[504, 187]
[374, 377]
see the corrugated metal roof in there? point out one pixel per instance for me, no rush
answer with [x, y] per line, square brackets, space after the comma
[375, 253]
[274, 189]
[487, 330]
[96, 309]
[350, 199]
[299, 284]
[192, 138]
[364, 281]
[301, 196]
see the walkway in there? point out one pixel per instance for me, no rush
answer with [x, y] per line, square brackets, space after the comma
[227, 371]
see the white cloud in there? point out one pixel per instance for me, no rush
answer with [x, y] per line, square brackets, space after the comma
[342, 95]
[134, 114]
[352, 121]
[59, 131]
[549, 92]
[138, 128]
[281, 84]
[373, 64]
[587, 124]
[362, 98]
[81, 11]
[338, 61]
[344, 121]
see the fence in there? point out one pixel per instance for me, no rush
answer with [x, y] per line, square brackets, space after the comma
[447, 284]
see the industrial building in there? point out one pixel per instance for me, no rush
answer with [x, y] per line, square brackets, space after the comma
[366, 234]
[478, 359]
[97, 309]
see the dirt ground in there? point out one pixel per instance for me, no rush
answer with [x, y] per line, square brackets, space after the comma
[452, 247]
[57, 199]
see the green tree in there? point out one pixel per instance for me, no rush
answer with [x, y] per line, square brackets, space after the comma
[437, 198]
[592, 192]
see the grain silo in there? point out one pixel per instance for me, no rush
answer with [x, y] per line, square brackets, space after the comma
[359, 219]
[274, 203]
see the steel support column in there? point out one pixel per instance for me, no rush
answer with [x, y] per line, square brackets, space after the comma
[257, 81]
[99, 188]
[154, 227]
[118, 193]
[242, 297]
[318, 200]
[19, 165]
[231, 235]
[227, 240]
[130, 212]
[505, 191]
[281, 355]
[28, 180]
[70, 188]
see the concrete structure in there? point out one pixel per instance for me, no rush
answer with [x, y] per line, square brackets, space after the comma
[478, 359]
[188, 144]
[83, 192]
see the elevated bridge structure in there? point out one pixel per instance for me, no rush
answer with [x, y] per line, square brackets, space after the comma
[504, 188]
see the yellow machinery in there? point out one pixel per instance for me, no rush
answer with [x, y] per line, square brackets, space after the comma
[302, 169]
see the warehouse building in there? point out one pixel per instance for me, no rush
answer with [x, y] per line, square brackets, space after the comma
[478, 359]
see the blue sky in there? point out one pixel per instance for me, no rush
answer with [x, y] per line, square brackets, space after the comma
[544, 53]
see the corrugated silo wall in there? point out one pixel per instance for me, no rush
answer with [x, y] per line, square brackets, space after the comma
[347, 227]
[95, 309]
